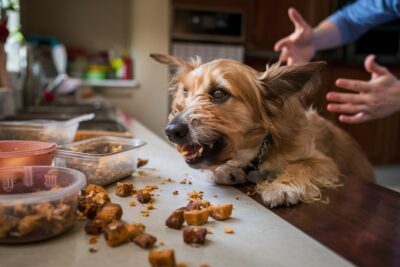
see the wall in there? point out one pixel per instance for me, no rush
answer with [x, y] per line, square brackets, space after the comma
[140, 25]
[91, 24]
[150, 33]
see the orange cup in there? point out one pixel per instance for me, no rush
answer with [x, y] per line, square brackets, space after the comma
[26, 153]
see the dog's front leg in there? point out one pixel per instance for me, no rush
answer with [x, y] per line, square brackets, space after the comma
[300, 181]
[229, 173]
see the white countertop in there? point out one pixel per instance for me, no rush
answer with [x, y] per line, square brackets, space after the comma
[261, 238]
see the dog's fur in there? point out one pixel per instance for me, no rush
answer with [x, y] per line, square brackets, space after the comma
[308, 153]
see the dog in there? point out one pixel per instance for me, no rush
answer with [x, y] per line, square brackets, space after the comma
[245, 125]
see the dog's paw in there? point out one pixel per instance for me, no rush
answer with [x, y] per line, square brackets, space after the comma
[278, 194]
[228, 174]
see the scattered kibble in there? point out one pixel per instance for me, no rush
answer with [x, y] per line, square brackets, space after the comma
[142, 162]
[228, 230]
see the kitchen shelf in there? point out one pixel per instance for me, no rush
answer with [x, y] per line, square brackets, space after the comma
[111, 83]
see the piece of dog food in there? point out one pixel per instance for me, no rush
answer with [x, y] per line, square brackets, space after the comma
[145, 240]
[31, 223]
[197, 205]
[228, 230]
[115, 233]
[109, 212]
[124, 189]
[162, 258]
[143, 196]
[141, 162]
[194, 235]
[94, 227]
[196, 217]
[96, 189]
[135, 229]
[221, 212]
[175, 220]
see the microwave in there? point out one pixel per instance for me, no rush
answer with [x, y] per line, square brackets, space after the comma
[193, 23]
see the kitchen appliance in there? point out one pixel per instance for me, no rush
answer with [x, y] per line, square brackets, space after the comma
[208, 32]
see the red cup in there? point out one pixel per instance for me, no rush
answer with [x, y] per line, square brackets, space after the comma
[26, 153]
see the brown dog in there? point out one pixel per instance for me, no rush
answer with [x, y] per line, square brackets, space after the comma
[245, 125]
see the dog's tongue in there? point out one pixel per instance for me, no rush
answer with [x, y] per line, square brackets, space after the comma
[189, 150]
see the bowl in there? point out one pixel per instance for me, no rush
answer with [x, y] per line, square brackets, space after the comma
[37, 202]
[103, 160]
[26, 153]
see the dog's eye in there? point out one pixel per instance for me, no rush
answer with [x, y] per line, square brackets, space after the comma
[219, 94]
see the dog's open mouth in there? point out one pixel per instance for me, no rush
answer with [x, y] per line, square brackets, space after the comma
[196, 153]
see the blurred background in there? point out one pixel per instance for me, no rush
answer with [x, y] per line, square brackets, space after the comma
[99, 49]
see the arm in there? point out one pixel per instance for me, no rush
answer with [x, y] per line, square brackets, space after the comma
[340, 28]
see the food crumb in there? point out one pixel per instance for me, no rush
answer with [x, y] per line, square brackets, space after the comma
[145, 213]
[161, 244]
[237, 198]
[209, 231]
[142, 173]
[92, 250]
[150, 206]
[93, 240]
[204, 265]
[132, 203]
[195, 195]
[228, 230]
[142, 162]
[169, 180]
[182, 264]
[176, 192]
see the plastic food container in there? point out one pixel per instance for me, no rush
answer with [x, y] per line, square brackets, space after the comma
[103, 160]
[37, 202]
[26, 153]
[60, 132]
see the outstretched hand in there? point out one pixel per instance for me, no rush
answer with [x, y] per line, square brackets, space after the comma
[377, 98]
[298, 47]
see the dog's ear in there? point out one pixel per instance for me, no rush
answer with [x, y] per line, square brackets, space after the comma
[175, 62]
[282, 82]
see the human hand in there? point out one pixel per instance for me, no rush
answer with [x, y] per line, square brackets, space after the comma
[377, 98]
[298, 47]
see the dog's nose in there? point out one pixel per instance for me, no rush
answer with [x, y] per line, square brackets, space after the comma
[177, 132]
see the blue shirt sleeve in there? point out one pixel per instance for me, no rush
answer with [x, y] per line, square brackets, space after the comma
[357, 18]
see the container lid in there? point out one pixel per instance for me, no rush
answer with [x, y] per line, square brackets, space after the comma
[15, 148]
[100, 147]
[57, 183]
[41, 124]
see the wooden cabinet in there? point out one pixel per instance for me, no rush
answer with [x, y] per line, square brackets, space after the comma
[268, 20]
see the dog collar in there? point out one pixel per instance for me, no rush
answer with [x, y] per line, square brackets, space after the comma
[253, 169]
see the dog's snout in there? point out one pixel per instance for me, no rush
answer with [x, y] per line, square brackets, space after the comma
[177, 132]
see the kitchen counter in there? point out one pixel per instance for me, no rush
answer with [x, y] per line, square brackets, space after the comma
[261, 237]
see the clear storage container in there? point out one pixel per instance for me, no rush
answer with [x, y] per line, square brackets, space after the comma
[37, 202]
[60, 132]
[103, 160]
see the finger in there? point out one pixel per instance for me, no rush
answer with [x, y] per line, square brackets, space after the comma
[345, 98]
[346, 108]
[297, 18]
[284, 42]
[372, 67]
[353, 85]
[358, 118]
[284, 55]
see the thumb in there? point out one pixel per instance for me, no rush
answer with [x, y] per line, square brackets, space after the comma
[296, 18]
[372, 67]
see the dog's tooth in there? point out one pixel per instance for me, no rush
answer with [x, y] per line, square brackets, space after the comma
[201, 151]
[184, 153]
